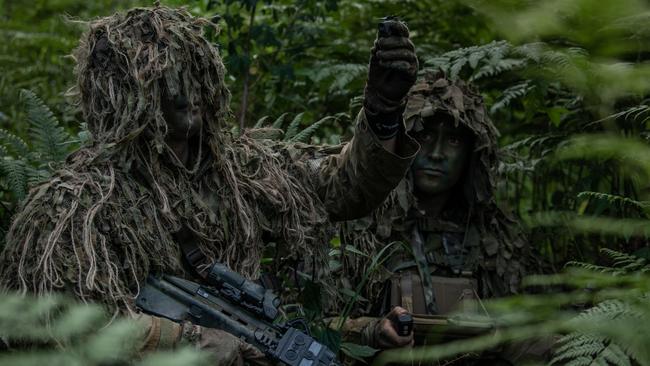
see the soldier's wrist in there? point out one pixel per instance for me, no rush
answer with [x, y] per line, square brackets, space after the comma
[370, 334]
[384, 115]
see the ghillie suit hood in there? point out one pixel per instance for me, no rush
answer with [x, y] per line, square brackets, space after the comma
[112, 213]
[472, 203]
[435, 94]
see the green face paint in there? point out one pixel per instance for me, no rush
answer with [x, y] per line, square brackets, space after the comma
[442, 158]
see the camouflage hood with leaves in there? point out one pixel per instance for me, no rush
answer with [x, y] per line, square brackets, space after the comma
[435, 94]
[501, 239]
[109, 216]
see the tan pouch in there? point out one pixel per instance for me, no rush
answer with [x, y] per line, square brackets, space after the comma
[406, 290]
[455, 294]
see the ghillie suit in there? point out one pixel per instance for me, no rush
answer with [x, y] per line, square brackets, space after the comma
[472, 246]
[119, 207]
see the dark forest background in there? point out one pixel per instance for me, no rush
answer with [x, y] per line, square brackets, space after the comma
[565, 81]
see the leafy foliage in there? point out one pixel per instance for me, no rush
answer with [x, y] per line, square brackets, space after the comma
[293, 132]
[24, 164]
[585, 349]
[48, 138]
[54, 330]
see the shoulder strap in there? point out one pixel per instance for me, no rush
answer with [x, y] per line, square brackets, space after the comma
[423, 268]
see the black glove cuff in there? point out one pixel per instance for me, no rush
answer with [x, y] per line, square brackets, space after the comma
[384, 125]
[384, 115]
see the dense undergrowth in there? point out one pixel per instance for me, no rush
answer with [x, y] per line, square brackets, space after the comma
[566, 82]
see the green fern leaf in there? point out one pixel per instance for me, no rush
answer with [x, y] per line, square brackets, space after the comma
[48, 138]
[455, 69]
[614, 355]
[628, 263]
[279, 121]
[498, 67]
[304, 135]
[576, 348]
[613, 199]
[514, 92]
[581, 361]
[36, 176]
[15, 171]
[260, 122]
[345, 74]
[475, 57]
[17, 145]
[292, 130]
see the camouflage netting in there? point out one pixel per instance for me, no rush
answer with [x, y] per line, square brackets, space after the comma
[108, 216]
[501, 239]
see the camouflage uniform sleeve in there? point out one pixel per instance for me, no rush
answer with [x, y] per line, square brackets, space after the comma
[355, 181]
[156, 333]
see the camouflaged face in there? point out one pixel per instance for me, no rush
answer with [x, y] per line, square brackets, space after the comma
[502, 253]
[434, 94]
[128, 61]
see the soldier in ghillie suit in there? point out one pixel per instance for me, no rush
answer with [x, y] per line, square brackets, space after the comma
[161, 172]
[456, 243]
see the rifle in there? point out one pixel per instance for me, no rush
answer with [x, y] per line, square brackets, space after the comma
[237, 306]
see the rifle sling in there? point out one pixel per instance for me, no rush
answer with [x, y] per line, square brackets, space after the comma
[194, 257]
[425, 273]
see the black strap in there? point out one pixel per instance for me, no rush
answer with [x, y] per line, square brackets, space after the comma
[194, 257]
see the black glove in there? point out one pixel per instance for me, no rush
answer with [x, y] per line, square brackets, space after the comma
[392, 71]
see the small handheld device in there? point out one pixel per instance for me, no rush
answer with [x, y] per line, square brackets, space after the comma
[403, 324]
[384, 28]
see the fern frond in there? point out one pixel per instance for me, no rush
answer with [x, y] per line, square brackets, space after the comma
[15, 171]
[344, 74]
[592, 349]
[608, 309]
[581, 361]
[18, 146]
[454, 70]
[514, 92]
[260, 122]
[613, 199]
[572, 340]
[585, 350]
[640, 113]
[484, 60]
[279, 121]
[614, 355]
[292, 130]
[497, 68]
[628, 263]
[304, 135]
[49, 139]
[35, 175]
[594, 268]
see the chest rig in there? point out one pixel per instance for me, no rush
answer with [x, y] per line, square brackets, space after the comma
[437, 270]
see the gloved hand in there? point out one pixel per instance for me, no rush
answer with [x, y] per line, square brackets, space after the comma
[382, 334]
[392, 71]
[226, 349]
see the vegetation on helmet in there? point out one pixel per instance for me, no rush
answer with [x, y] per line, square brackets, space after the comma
[434, 93]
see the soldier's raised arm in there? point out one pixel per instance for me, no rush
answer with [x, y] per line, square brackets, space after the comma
[360, 177]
